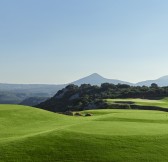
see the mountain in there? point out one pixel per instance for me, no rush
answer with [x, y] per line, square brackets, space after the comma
[96, 79]
[163, 81]
[16, 93]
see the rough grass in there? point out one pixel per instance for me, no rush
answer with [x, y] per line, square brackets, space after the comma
[32, 135]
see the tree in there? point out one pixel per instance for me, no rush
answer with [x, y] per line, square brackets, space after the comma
[154, 85]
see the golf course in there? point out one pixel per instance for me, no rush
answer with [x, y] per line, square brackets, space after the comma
[83, 81]
[31, 135]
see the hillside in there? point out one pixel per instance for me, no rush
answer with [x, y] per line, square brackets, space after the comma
[84, 97]
[19, 93]
[16, 93]
[28, 134]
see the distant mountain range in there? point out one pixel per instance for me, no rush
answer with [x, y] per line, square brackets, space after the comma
[16, 93]
[24, 93]
[96, 79]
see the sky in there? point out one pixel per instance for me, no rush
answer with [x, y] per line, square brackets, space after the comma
[59, 41]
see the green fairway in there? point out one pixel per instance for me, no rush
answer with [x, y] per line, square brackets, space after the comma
[142, 102]
[33, 135]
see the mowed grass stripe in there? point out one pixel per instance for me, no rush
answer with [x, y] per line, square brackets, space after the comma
[72, 146]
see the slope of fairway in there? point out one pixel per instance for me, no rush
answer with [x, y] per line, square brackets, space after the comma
[32, 135]
[18, 121]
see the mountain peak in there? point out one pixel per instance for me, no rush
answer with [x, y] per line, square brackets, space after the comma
[95, 75]
[96, 79]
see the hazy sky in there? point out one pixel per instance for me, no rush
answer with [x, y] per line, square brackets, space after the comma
[59, 41]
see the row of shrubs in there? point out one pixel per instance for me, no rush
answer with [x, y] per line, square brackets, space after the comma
[71, 113]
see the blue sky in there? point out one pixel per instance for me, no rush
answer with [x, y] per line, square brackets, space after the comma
[59, 41]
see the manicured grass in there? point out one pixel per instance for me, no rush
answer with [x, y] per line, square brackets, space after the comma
[143, 102]
[33, 135]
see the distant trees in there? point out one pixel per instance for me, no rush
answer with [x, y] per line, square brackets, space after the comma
[154, 85]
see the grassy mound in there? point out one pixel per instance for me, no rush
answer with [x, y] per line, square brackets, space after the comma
[32, 135]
